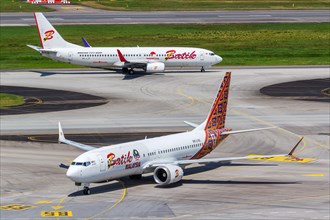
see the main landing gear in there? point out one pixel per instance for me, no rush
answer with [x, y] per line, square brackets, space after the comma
[128, 71]
[202, 70]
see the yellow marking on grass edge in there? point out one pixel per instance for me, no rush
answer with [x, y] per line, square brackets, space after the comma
[314, 174]
[119, 201]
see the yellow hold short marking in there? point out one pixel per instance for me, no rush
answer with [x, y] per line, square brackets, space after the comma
[56, 214]
[283, 159]
[43, 202]
[16, 207]
[314, 174]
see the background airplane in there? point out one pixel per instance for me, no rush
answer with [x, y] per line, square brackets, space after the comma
[165, 156]
[150, 59]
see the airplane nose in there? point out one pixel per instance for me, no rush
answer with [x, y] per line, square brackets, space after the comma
[73, 173]
[218, 59]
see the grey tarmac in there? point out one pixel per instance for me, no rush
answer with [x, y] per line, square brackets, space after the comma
[93, 16]
[32, 183]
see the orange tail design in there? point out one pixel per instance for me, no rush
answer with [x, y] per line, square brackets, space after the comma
[215, 122]
[217, 115]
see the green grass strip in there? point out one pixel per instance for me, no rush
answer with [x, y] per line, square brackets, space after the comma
[238, 44]
[9, 100]
[21, 6]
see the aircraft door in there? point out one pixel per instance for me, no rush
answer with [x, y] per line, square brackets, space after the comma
[202, 56]
[102, 163]
[70, 56]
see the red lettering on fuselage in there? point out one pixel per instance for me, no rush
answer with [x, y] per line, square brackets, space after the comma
[171, 54]
[124, 159]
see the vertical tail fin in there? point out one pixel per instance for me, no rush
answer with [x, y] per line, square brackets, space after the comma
[217, 116]
[49, 37]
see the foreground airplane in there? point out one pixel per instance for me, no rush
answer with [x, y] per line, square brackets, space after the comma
[165, 156]
[150, 59]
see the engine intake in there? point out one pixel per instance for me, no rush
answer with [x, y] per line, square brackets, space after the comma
[168, 174]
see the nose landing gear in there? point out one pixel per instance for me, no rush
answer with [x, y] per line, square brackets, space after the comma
[202, 70]
[86, 191]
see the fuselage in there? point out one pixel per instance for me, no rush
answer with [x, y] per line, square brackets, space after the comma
[108, 56]
[131, 158]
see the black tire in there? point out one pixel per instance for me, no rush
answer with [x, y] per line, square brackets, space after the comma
[125, 70]
[87, 191]
[131, 72]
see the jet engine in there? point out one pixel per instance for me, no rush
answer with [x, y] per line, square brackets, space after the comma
[168, 174]
[155, 67]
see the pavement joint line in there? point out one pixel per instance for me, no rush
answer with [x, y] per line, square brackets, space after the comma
[113, 206]
[243, 205]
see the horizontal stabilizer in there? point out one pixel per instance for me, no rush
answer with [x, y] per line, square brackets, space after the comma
[244, 131]
[61, 165]
[191, 124]
[34, 47]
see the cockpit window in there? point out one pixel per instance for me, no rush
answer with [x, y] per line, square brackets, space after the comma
[86, 164]
[211, 54]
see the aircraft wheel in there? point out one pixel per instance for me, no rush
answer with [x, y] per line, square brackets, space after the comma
[202, 70]
[125, 70]
[86, 191]
[131, 72]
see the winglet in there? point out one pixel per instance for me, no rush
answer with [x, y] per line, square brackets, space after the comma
[61, 137]
[86, 44]
[293, 149]
[121, 57]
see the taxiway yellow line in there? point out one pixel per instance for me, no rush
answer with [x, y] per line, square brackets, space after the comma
[119, 201]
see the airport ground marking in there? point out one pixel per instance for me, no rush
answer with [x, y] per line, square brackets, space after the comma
[16, 207]
[113, 206]
[287, 159]
[56, 214]
[43, 202]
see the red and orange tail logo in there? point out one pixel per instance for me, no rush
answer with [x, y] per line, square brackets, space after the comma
[217, 116]
[49, 35]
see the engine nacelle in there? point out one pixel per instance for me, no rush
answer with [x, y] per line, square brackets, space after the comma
[155, 67]
[168, 174]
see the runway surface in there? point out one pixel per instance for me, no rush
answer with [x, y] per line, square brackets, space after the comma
[32, 186]
[93, 16]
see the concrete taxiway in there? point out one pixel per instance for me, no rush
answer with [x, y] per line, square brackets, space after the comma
[94, 16]
[32, 186]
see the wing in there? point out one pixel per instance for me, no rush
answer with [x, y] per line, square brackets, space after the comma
[209, 160]
[62, 139]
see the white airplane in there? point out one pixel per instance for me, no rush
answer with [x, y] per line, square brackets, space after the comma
[150, 59]
[165, 156]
